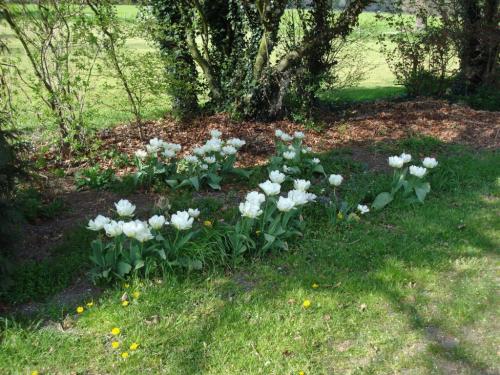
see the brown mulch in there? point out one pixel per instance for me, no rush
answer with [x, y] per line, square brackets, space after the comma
[374, 123]
[366, 123]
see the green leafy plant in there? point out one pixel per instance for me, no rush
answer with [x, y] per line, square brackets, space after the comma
[95, 178]
[293, 158]
[136, 247]
[409, 180]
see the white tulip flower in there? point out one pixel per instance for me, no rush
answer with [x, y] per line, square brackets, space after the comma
[277, 177]
[98, 223]
[335, 179]
[430, 163]
[144, 234]
[301, 185]
[156, 143]
[137, 229]
[124, 208]
[286, 137]
[215, 133]
[396, 161]
[113, 228]
[175, 147]
[236, 142]
[256, 198]
[311, 197]
[306, 150]
[315, 161]
[209, 159]
[270, 188]
[250, 210]
[141, 154]
[129, 229]
[278, 133]
[182, 220]
[285, 204]
[204, 167]
[229, 150]
[417, 171]
[289, 155]
[168, 153]
[157, 221]
[199, 151]
[298, 197]
[406, 157]
[213, 145]
[193, 212]
[298, 135]
[152, 150]
[363, 209]
[192, 159]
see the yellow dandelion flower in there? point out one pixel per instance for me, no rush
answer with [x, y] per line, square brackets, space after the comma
[115, 331]
[115, 344]
[257, 232]
[134, 346]
[340, 216]
[90, 304]
[125, 303]
[79, 309]
[208, 223]
[315, 286]
[136, 294]
[126, 286]
[34, 372]
[125, 355]
[306, 304]
[302, 373]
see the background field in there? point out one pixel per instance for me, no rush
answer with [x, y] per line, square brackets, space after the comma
[107, 105]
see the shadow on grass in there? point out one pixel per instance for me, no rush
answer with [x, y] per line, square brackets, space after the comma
[383, 255]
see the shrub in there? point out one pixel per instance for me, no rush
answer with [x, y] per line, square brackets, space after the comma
[421, 59]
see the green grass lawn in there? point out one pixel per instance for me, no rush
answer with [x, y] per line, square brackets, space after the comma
[411, 289]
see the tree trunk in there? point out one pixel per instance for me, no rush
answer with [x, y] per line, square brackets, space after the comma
[479, 55]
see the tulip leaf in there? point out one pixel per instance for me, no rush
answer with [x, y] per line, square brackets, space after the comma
[172, 183]
[382, 200]
[421, 190]
[318, 168]
[123, 268]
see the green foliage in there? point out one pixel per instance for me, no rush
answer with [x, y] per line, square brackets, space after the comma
[421, 59]
[33, 206]
[231, 44]
[485, 98]
[62, 73]
[95, 178]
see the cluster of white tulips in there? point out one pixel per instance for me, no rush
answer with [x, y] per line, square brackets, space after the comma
[215, 154]
[160, 161]
[407, 178]
[135, 244]
[292, 157]
[268, 219]
[159, 148]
